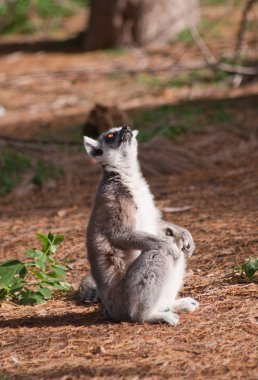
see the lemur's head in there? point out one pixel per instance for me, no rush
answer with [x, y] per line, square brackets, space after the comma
[117, 147]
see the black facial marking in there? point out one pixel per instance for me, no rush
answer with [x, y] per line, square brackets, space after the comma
[169, 232]
[96, 152]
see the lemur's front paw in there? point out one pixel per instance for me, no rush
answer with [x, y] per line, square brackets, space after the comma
[187, 250]
[182, 237]
[188, 243]
[186, 304]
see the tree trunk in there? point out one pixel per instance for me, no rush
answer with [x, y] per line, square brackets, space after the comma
[138, 22]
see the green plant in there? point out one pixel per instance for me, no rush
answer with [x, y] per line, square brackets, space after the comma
[148, 80]
[34, 281]
[5, 376]
[214, 2]
[185, 36]
[116, 51]
[201, 76]
[44, 171]
[115, 75]
[26, 16]
[249, 267]
[12, 165]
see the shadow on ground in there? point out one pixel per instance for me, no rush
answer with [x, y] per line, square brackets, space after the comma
[74, 319]
[69, 45]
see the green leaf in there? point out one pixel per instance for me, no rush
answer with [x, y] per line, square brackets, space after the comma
[17, 285]
[41, 275]
[35, 253]
[45, 241]
[7, 278]
[51, 237]
[47, 278]
[59, 266]
[56, 272]
[61, 285]
[51, 260]
[250, 267]
[41, 263]
[58, 239]
[50, 242]
[45, 292]
[29, 297]
[3, 293]
[11, 263]
[9, 271]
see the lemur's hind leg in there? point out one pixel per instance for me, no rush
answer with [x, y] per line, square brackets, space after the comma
[144, 288]
[88, 291]
[185, 304]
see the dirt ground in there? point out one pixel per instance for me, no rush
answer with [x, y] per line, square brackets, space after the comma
[212, 171]
[67, 340]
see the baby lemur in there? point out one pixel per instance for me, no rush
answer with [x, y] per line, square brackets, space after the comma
[137, 260]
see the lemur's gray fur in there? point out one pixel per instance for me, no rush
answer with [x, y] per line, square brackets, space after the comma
[137, 260]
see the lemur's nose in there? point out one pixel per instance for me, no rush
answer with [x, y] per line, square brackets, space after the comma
[125, 133]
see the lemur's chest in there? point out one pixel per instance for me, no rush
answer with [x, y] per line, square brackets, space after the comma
[146, 215]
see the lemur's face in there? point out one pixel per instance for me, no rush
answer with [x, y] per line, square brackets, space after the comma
[116, 147]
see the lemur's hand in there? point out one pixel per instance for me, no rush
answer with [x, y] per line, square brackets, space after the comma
[182, 238]
[188, 243]
[170, 247]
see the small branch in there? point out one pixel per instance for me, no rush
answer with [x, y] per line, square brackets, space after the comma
[210, 62]
[206, 52]
[123, 70]
[213, 63]
[30, 144]
[237, 69]
[242, 27]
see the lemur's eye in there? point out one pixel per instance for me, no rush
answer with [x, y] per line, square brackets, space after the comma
[110, 137]
[169, 232]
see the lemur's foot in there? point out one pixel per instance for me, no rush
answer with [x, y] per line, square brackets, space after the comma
[164, 316]
[185, 304]
[88, 291]
[88, 295]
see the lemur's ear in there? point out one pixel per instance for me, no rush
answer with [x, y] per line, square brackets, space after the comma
[135, 132]
[93, 147]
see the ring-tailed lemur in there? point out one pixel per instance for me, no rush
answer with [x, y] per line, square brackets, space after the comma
[137, 260]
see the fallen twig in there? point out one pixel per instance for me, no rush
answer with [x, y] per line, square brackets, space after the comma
[177, 209]
[30, 143]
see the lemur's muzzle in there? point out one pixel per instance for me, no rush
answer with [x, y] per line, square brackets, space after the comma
[125, 134]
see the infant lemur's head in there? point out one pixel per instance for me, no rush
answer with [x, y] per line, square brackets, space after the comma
[117, 147]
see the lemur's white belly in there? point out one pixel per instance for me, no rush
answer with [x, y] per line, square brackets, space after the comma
[147, 215]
